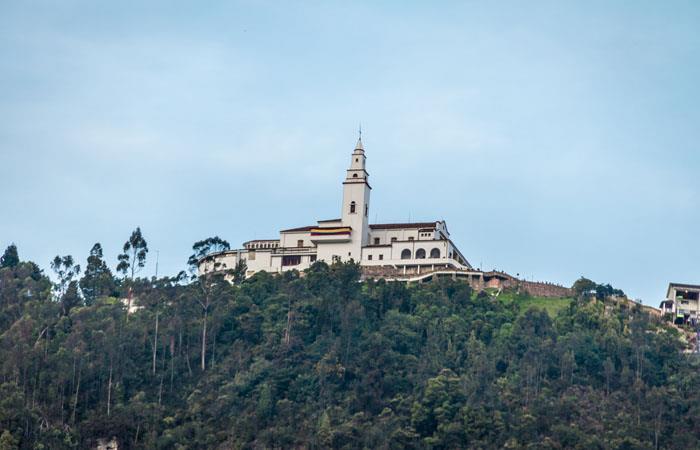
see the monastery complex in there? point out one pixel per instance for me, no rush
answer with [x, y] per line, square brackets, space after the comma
[396, 251]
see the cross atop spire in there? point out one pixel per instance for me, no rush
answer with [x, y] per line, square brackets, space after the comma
[359, 139]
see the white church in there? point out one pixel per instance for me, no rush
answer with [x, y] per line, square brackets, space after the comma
[387, 250]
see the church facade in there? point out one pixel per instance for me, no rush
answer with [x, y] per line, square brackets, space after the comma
[389, 249]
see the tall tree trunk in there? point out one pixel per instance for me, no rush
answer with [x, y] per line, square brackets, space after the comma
[204, 339]
[155, 345]
[77, 392]
[160, 391]
[109, 388]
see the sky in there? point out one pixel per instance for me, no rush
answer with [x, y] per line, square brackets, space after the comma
[556, 138]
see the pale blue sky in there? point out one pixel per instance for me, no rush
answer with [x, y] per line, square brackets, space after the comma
[557, 139]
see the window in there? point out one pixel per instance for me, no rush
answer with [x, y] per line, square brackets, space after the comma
[381, 257]
[369, 257]
[410, 238]
[352, 207]
[405, 254]
[300, 243]
[420, 253]
[376, 241]
[357, 159]
[366, 210]
[312, 258]
[291, 260]
[435, 253]
[393, 239]
[354, 175]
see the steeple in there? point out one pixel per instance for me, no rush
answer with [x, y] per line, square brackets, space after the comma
[359, 146]
[356, 192]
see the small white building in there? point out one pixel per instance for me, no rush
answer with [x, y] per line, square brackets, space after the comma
[683, 301]
[387, 249]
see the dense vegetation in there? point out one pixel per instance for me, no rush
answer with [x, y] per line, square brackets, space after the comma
[325, 361]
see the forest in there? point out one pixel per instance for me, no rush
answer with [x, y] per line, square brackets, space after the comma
[323, 359]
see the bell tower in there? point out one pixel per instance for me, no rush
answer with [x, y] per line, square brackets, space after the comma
[355, 213]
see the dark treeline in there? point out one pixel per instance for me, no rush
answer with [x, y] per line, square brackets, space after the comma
[325, 361]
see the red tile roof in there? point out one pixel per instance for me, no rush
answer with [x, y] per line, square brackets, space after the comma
[308, 228]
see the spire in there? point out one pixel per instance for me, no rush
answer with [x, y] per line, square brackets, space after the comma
[359, 146]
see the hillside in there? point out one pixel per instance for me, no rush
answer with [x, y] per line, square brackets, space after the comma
[326, 361]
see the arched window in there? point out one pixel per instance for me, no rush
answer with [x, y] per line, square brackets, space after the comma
[352, 207]
[420, 253]
[435, 253]
[405, 254]
[354, 175]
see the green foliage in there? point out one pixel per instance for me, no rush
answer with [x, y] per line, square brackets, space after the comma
[323, 360]
[584, 286]
[134, 257]
[97, 280]
[10, 258]
[205, 248]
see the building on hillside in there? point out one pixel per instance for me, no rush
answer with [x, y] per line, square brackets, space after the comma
[410, 252]
[398, 248]
[682, 300]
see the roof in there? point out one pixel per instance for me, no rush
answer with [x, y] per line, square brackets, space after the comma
[393, 226]
[680, 285]
[359, 144]
[307, 228]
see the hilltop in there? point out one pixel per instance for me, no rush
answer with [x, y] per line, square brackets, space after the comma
[325, 360]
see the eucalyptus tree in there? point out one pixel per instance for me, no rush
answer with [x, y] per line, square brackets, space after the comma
[210, 283]
[66, 287]
[132, 261]
[133, 258]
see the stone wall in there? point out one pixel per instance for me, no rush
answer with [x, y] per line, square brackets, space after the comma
[477, 280]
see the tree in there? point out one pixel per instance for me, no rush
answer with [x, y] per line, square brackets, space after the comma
[238, 272]
[583, 286]
[205, 249]
[97, 280]
[134, 257]
[10, 257]
[209, 282]
[7, 441]
[65, 270]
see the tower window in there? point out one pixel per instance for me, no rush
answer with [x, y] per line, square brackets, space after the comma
[366, 210]
[376, 241]
[357, 159]
[354, 175]
[352, 207]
